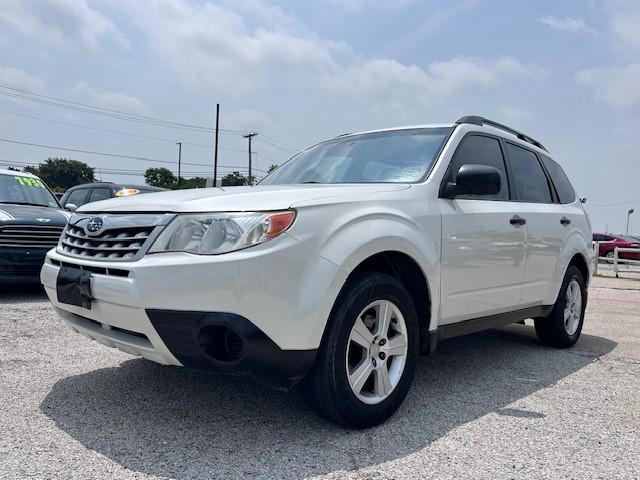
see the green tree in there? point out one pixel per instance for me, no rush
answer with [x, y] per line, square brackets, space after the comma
[271, 167]
[160, 177]
[63, 173]
[195, 182]
[234, 179]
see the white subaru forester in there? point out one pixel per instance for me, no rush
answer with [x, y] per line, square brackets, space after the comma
[340, 268]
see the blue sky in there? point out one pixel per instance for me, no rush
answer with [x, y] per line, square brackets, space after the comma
[568, 73]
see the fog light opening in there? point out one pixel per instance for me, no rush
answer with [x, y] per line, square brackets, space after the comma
[220, 343]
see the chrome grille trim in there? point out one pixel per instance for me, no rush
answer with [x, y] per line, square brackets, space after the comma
[34, 236]
[121, 238]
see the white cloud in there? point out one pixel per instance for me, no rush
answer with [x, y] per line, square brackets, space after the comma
[616, 86]
[114, 100]
[392, 80]
[212, 46]
[358, 5]
[14, 77]
[566, 24]
[626, 28]
[59, 21]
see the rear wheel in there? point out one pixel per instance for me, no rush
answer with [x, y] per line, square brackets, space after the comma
[609, 257]
[368, 357]
[563, 325]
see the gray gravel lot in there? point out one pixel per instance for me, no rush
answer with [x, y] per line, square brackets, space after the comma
[491, 405]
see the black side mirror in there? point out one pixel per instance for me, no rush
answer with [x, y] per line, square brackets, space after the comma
[474, 180]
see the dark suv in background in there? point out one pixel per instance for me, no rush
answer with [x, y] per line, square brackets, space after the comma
[31, 222]
[92, 192]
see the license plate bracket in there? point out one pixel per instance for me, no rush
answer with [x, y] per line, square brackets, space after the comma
[73, 287]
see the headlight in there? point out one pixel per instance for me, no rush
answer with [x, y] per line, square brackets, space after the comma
[215, 233]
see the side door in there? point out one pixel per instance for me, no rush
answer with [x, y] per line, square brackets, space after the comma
[482, 251]
[546, 234]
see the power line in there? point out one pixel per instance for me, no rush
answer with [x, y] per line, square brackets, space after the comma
[117, 132]
[108, 112]
[121, 115]
[614, 204]
[105, 154]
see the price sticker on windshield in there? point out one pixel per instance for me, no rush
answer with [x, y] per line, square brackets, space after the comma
[29, 182]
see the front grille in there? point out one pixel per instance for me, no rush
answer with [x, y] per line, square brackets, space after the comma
[21, 270]
[113, 244]
[31, 236]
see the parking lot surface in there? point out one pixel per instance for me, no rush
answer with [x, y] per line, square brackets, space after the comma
[490, 405]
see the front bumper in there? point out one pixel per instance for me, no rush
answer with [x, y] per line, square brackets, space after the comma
[21, 265]
[276, 297]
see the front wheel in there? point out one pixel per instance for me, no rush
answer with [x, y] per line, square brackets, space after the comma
[563, 325]
[368, 357]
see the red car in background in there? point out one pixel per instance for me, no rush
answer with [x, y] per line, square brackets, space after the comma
[609, 241]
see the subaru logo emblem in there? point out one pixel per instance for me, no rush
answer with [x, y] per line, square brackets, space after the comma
[94, 225]
[44, 220]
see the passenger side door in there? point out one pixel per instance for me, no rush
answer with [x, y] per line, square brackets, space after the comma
[482, 251]
[545, 230]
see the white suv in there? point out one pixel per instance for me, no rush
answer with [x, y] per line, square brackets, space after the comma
[340, 268]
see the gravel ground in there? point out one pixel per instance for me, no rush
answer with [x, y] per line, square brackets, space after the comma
[491, 405]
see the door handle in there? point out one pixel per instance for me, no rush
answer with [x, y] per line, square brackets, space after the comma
[517, 221]
[565, 221]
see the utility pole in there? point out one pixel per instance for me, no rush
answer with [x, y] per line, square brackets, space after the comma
[215, 148]
[179, 160]
[629, 212]
[250, 136]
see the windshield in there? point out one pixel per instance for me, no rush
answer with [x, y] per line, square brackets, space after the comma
[399, 156]
[25, 191]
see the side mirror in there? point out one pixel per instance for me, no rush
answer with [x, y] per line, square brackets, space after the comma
[72, 207]
[474, 180]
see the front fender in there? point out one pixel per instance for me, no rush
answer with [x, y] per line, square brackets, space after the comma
[351, 235]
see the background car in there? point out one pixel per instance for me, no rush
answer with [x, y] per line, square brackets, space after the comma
[609, 241]
[31, 222]
[92, 192]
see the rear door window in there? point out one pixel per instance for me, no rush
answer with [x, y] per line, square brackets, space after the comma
[529, 178]
[566, 193]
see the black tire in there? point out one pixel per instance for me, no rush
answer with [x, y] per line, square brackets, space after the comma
[327, 388]
[551, 330]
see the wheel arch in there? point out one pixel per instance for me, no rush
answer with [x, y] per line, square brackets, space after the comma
[580, 262]
[408, 271]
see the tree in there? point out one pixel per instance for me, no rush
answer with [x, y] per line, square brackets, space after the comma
[234, 179]
[195, 182]
[160, 177]
[271, 167]
[63, 173]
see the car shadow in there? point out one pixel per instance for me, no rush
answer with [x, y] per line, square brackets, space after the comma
[27, 293]
[176, 423]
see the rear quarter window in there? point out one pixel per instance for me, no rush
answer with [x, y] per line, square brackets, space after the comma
[566, 193]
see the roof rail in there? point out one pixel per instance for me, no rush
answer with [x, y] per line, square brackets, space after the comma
[477, 120]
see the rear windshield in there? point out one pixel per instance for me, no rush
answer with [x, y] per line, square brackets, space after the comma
[22, 190]
[399, 156]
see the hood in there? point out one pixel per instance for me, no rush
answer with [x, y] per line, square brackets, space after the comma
[260, 198]
[32, 215]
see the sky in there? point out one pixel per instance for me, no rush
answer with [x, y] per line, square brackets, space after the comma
[298, 72]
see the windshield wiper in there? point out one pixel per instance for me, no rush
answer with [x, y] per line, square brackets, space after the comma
[26, 203]
[312, 181]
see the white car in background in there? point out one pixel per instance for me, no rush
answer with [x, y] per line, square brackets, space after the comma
[340, 268]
